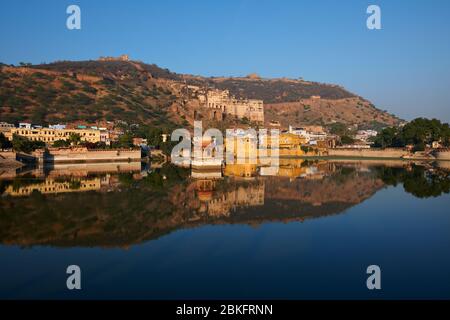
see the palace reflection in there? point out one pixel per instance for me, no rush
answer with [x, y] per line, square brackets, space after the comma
[118, 205]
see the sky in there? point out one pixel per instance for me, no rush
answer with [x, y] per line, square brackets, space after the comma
[403, 68]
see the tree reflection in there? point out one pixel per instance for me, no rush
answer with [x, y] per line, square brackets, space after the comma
[419, 181]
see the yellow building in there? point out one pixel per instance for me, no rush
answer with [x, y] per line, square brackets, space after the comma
[242, 147]
[291, 141]
[287, 141]
[49, 136]
[50, 186]
[240, 170]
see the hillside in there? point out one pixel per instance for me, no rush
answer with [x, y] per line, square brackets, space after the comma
[85, 92]
[135, 92]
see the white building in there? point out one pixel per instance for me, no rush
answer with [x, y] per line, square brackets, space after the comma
[365, 135]
[25, 125]
[57, 126]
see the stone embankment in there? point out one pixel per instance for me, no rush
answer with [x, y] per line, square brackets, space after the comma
[74, 155]
[390, 153]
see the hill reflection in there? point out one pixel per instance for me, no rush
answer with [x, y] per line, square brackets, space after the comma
[125, 205]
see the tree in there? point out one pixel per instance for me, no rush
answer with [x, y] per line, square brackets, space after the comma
[418, 132]
[419, 181]
[338, 128]
[22, 144]
[4, 142]
[61, 143]
[386, 137]
[347, 140]
[74, 138]
[125, 141]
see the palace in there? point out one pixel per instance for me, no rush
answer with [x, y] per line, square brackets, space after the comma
[224, 105]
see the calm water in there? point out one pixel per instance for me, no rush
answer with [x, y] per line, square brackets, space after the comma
[309, 232]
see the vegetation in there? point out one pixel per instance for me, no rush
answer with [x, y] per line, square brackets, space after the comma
[126, 94]
[342, 130]
[339, 129]
[418, 181]
[275, 90]
[4, 142]
[418, 133]
[345, 140]
[61, 143]
[25, 145]
[74, 138]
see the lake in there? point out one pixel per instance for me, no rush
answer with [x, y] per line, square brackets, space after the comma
[163, 232]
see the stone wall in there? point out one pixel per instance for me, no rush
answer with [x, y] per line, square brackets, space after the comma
[7, 155]
[368, 153]
[84, 155]
[442, 155]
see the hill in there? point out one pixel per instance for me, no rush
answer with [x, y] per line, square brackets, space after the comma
[135, 92]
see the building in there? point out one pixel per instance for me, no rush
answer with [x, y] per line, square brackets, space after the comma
[54, 186]
[49, 136]
[223, 105]
[115, 134]
[312, 134]
[275, 124]
[57, 126]
[105, 137]
[291, 141]
[6, 127]
[365, 135]
[123, 57]
[139, 142]
[165, 137]
[25, 125]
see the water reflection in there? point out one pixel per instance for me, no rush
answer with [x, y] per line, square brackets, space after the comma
[113, 205]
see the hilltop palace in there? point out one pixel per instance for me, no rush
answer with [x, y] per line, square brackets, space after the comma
[221, 105]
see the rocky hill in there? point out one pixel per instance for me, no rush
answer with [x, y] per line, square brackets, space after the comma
[84, 92]
[135, 92]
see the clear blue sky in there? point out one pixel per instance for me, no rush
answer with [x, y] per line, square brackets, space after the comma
[404, 67]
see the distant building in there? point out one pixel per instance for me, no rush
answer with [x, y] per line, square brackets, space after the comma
[165, 137]
[5, 127]
[224, 105]
[436, 145]
[49, 136]
[115, 134]
[365, 135]
[291, 141]
[25, 125]
[275, 124]
[57, 126]
[123, 57]
[139, 142]
[105, 137]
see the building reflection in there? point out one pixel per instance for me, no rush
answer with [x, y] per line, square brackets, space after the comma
[69, 178]
[215, 202]
[91, 206]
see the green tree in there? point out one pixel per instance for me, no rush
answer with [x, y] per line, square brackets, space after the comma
[347, 140]
[125, 141]
[61, 143]
[74, 138]
[418, 132]
[4, 142]
[22, 144]
[338, 128]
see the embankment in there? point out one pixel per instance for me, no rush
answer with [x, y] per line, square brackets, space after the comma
[83, 155]
[388, 153]
[9, 160]
[442, 154]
